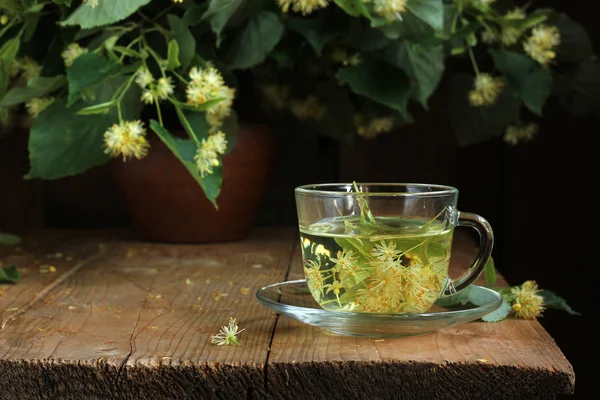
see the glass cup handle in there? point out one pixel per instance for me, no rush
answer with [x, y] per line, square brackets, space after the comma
[486, 244]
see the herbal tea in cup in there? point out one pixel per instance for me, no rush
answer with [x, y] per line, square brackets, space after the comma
[383, 248]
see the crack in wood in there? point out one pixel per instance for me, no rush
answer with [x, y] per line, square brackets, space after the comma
[126, 358]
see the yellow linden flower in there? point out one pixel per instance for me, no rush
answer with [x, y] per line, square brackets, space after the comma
[148, 96]
[207, 155]
[208, 84]
[422, 289]
[217, 142]
[539, 46]
[384, 291]
[4, 19]
[389, 9]
[302, 6]
[275, 96]
[488, 37]
[341, 56]
[510, 35]
[29, 68]
[144, 78]
[309, 108]
[516, 134]
[345, 260]
[228, 334]
[72, 51]
[516, 14]
[217, 113]
[374, 127]
[92, 3]
[486, 90]
[164, 88]
[127, 139]
[37, 105]
[528, 303]
[314, 280]
[335, 287]
[385, 251]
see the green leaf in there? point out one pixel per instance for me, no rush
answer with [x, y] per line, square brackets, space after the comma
[87, 70]
[202, 107]
[531, 81]
[355, 8]
[428, 11]
[474, 125]
[63, 143]
[256, 41]
[575, 44]
[8, 239]
[535, 18]
[378, 81]
[185, 150]
[490, 273]
[552, 300]
[219, 13]
[318, 31]
[499, 314]
[36, 87]
[31, 24]
[193, 14]
[423, 65]
[8, 52]
[185, 40]
[105, 13]
[102, 108]
[173, 55]
[578, 90]
[506, 293]
[410, 28]
[9, 274]
[362, 37]
[194, 123]
[14, 6]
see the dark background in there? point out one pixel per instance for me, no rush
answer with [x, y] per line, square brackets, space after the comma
[539, 196]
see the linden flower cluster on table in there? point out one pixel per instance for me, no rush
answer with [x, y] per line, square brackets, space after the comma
[527, 302]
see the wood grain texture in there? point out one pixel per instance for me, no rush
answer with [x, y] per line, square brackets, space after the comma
[125, 319]
[506, 360]
[136, 322]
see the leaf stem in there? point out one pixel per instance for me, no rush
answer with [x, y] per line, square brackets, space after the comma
[160, 120]
[472, 57]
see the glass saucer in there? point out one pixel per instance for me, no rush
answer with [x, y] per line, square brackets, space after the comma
[293, 299]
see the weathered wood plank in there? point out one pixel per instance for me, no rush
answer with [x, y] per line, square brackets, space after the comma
[510, 359]
[43, 258]
[136, 322]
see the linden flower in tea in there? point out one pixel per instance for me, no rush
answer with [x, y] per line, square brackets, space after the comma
[401, 268]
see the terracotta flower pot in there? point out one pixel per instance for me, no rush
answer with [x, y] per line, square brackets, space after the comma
[167, 205]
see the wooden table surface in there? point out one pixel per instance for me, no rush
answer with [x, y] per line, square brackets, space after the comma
[119, 318]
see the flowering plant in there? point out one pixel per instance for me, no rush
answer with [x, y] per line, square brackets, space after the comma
[95, 75]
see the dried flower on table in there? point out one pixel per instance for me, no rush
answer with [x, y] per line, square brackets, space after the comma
[228, 334]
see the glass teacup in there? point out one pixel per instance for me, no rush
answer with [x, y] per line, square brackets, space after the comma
[383, 247]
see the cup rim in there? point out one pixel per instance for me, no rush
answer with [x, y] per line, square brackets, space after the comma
[320, 189]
